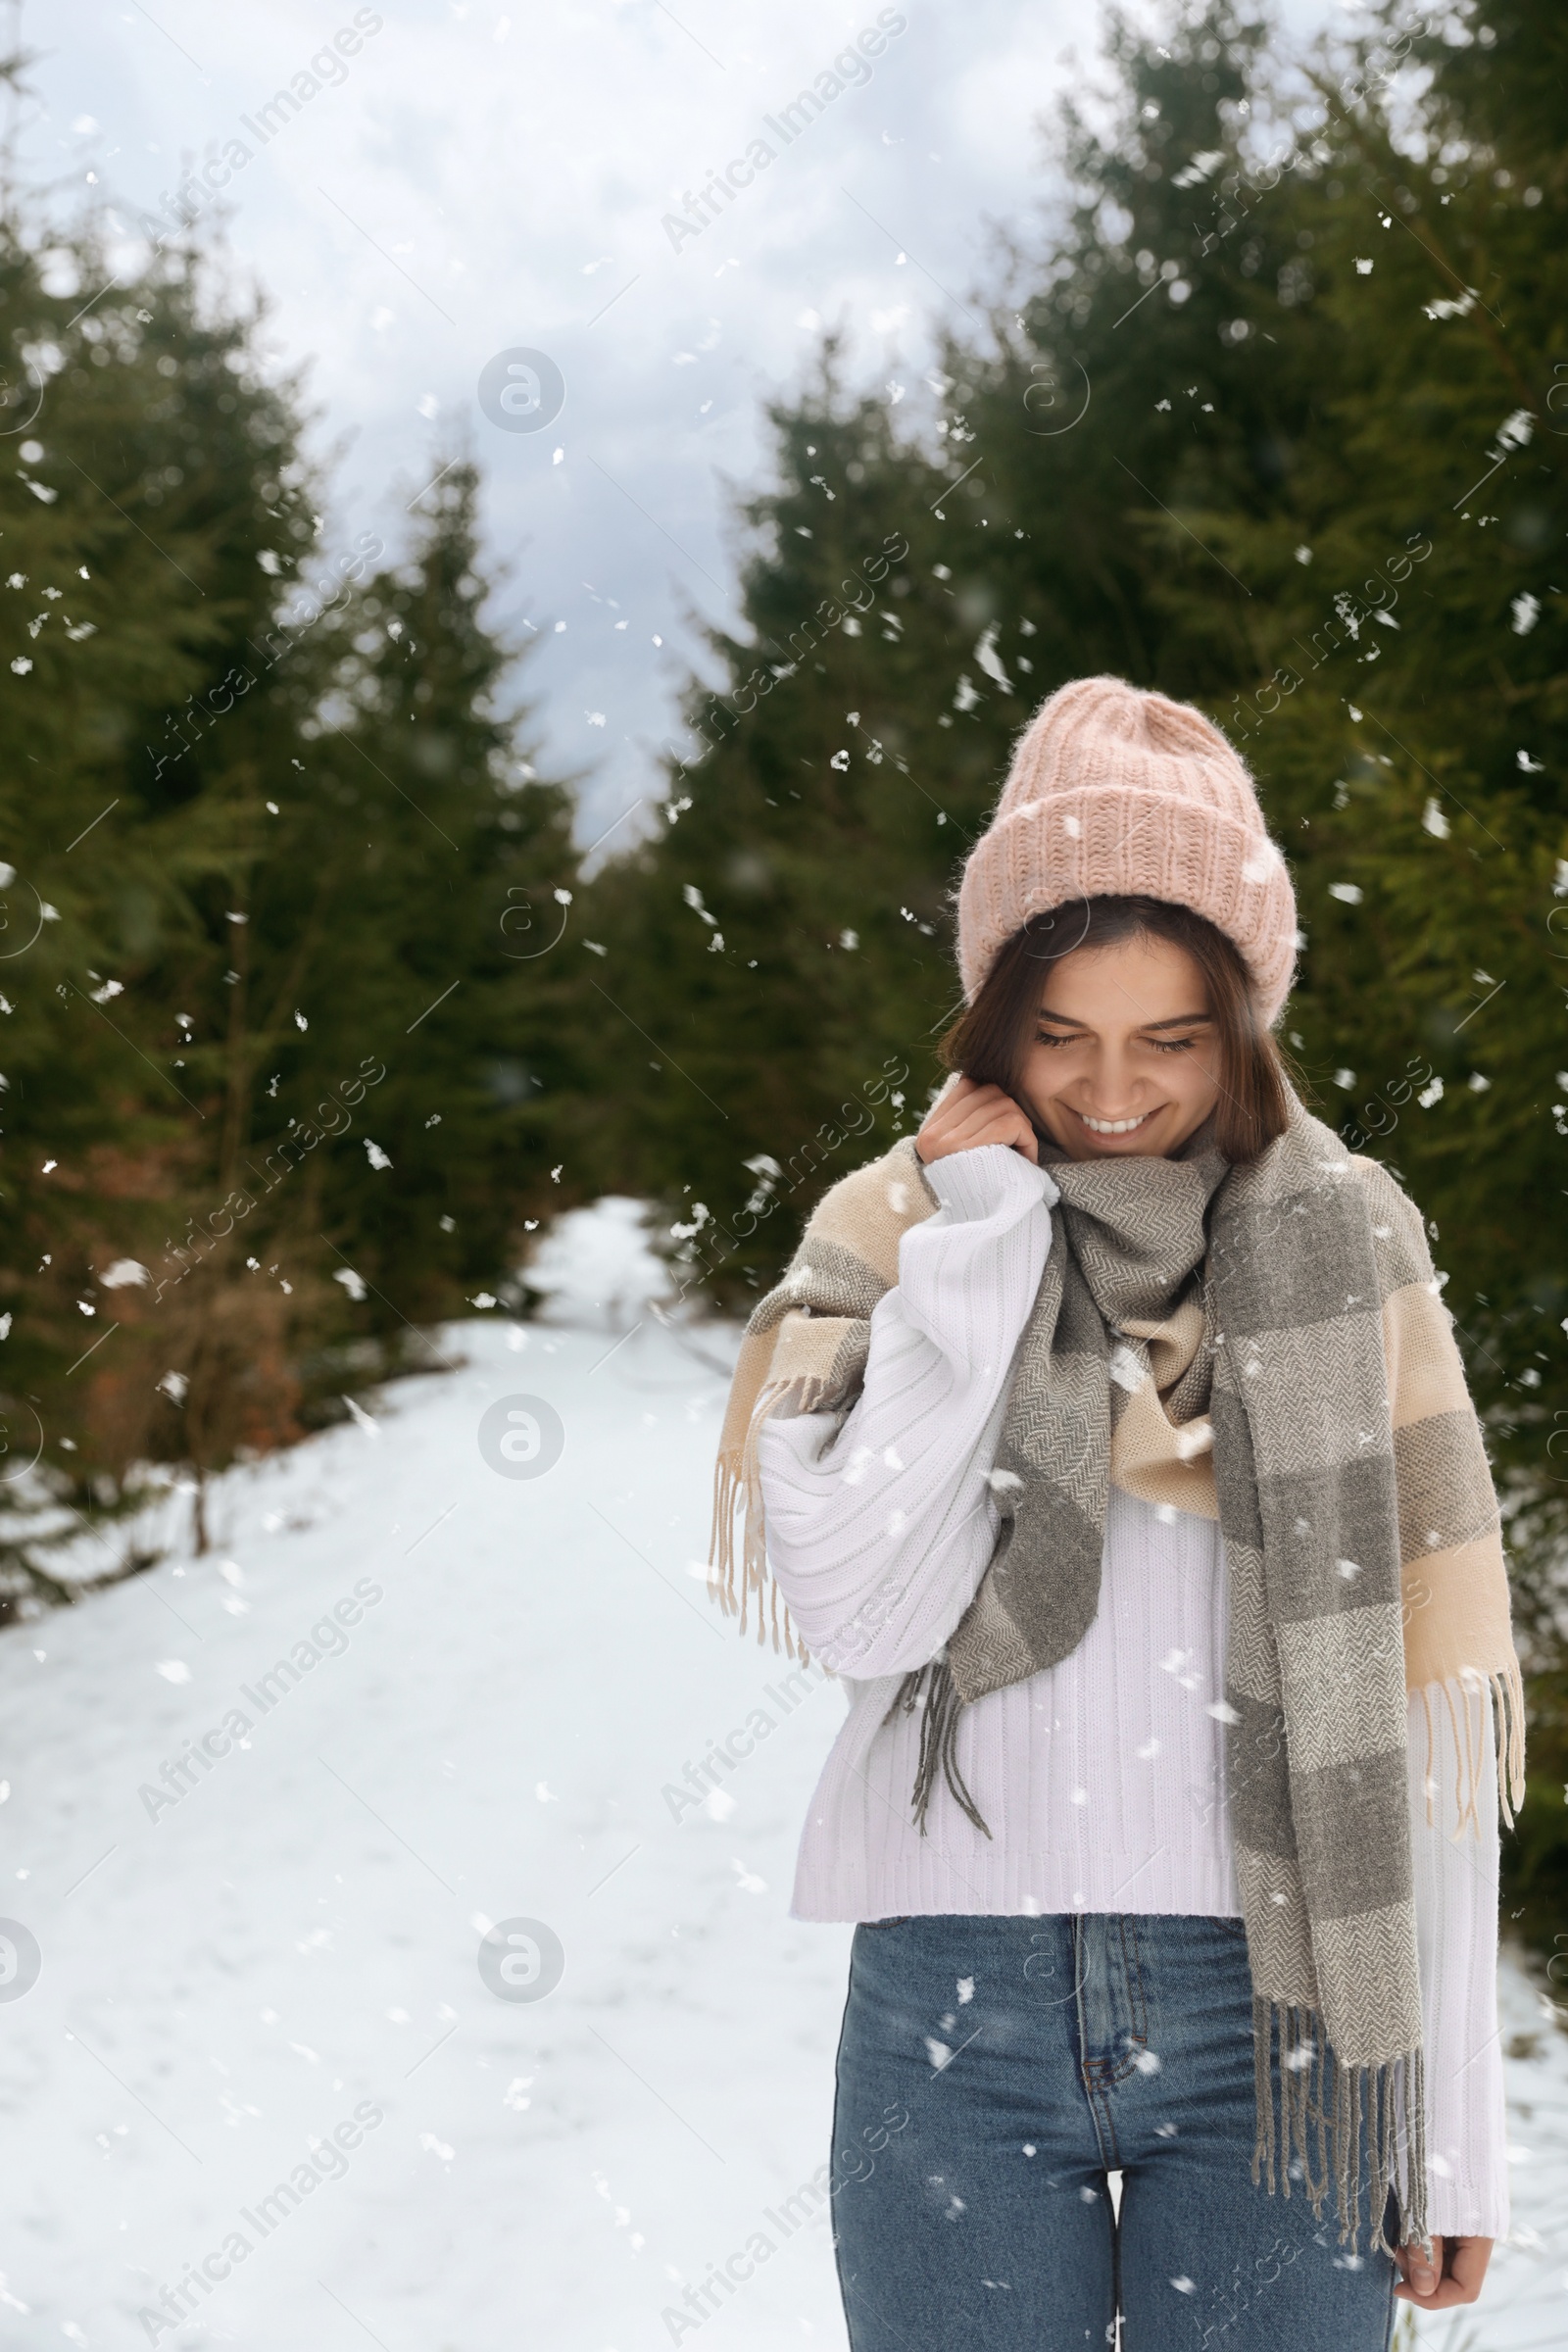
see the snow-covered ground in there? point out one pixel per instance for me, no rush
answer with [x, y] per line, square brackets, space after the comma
[495, 1682]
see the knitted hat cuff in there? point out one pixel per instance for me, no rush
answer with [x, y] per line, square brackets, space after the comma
[1099, 841]
[1116, 791]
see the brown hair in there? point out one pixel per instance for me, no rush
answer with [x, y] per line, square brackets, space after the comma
[989, 1042]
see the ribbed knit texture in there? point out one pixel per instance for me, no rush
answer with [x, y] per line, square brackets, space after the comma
[1456, 1938]
[1105, 1772]
[1111, 790]
[1101, 1778]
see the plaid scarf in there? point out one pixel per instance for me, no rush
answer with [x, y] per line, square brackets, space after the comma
[1265, 1345]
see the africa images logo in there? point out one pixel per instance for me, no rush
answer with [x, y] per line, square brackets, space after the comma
[521, 1436]
[522, 390]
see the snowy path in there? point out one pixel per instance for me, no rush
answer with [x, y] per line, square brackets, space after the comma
[296, 1938]
[296, 1935]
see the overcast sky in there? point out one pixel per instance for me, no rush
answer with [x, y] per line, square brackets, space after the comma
[469, 180]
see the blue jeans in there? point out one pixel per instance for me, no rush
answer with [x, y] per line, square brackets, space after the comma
[993, 2071]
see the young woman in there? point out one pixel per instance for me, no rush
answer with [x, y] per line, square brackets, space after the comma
[1109, 1440]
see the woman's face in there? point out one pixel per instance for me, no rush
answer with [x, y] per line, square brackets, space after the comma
[1125, 1059]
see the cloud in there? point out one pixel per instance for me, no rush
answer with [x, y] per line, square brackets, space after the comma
[452, 196]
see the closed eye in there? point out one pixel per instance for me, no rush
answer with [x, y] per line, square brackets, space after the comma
[1161, 1045]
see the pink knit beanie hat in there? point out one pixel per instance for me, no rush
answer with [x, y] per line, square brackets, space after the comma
[1113, 791]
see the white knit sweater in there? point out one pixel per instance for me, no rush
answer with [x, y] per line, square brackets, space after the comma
[1103, 1777]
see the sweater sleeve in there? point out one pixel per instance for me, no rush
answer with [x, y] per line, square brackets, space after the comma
[1456, 1938]
[880, 1531]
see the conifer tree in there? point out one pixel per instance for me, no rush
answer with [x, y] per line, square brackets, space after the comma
[151, 475]
[767, 959]
[440, 864]
[262, 1018]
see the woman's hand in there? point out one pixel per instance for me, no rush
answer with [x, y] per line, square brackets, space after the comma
[1453, 2274]
[966, 1115]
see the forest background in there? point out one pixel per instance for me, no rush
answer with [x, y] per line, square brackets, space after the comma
[311, 1013]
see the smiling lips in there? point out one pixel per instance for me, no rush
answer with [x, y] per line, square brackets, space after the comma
[1113, 1126]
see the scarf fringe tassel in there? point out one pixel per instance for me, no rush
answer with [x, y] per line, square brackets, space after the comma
[1375, 2118]
[1509, 1701]
[939, 1737]
[736, 1570]
[1506, 1686]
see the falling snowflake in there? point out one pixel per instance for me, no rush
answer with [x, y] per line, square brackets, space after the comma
[124, 1271]
[989, 659]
